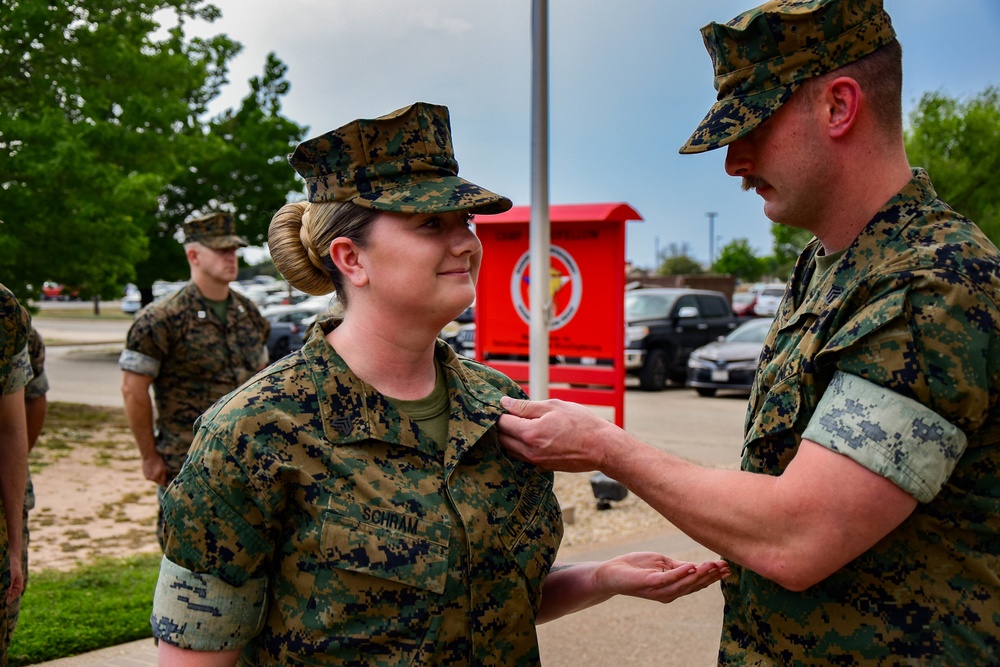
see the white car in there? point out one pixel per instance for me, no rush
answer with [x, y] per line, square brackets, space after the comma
[131, 303]
[768, 300]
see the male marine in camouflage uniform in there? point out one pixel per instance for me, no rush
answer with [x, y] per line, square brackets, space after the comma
[15, 372]
[866, 517]
[193, 347]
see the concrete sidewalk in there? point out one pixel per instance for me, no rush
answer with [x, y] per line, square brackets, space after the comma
[134, 654]
[622, 631]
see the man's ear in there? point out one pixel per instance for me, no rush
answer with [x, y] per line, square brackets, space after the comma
[347, 258]
[842, 104]
[192, 255]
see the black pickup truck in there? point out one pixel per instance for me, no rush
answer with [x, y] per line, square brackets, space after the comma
[663, 326]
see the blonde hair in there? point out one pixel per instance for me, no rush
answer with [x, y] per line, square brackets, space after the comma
[299, 240]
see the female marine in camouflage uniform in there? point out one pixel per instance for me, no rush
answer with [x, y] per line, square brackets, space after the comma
[351, 505]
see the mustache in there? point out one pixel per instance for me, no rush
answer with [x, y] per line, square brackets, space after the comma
[751, 182]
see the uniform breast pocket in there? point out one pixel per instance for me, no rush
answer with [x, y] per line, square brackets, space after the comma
[377, 579]
[388, 544]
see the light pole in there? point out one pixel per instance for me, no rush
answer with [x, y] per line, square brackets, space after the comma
[711, 239]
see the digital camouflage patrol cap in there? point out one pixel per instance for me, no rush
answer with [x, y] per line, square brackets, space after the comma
[763, 55]
[216, 230]
[402, 162]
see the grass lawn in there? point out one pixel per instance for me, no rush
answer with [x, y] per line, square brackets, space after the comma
[103, 603]
[67, 613]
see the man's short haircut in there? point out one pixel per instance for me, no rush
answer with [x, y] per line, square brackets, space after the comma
[880, 75]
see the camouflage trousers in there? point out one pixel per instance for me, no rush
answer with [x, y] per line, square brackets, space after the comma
[161, 535]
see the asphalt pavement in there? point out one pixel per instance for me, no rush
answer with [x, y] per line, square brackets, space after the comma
[625, 631]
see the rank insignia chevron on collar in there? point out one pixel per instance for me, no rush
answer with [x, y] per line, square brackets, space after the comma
[343, 424]
[833, 293]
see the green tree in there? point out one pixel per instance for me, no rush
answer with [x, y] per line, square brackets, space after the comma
[788, 243]
[236, 164]
[738, 259]
[91, 104]
[956, 141]
[676, 260]
[101, 127]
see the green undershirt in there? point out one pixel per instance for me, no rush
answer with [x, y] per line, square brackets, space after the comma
[220, 308]
[430, 412]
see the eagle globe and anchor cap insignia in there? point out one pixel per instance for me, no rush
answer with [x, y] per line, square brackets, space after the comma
[565, 287]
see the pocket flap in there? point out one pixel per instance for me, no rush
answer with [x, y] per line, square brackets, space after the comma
[388, 544]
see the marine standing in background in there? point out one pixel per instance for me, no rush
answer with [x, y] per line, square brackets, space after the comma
[864, 523]
[15, 373]
[35, 407]
[194, 347]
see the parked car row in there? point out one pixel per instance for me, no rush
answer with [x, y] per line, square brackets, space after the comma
[267, 291]
[675, 334]
[744, 303]
[664, 325]
[290, 312]
[761, 300]
[672, 334]
[289, 323]
[462, 338]
[768, 301]
[264, 291]
[52, 291]
[132, 301]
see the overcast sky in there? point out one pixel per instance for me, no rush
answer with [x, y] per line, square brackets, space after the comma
[629, 80]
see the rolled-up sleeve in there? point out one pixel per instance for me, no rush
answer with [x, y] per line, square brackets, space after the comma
[137, 362]
[887, 433]
[204, 613]
[20, 373]
[146, 345]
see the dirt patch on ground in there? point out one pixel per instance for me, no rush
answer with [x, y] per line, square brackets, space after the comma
[628, 520]
[92, 500]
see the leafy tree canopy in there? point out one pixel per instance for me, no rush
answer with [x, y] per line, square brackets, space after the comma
[956, 141]
[676, 260]
[103, 128]
[738, 259]
[788, 243]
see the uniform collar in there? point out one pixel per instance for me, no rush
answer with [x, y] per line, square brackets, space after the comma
[867, 249]
[191, 292]
[353, 411]
[893, 218]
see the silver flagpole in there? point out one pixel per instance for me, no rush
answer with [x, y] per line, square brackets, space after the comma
[541, 301]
